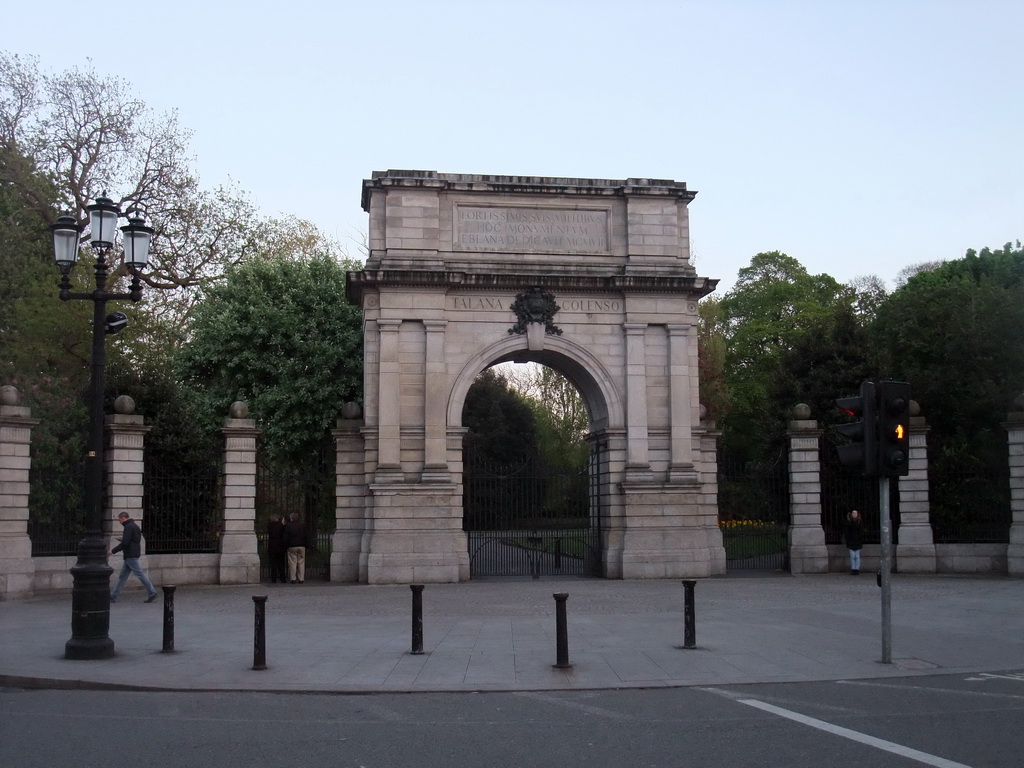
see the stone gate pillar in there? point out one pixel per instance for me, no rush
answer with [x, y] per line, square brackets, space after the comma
[807, 550]
[125, 464]
[1014, 426]
[239, 557]
[707, 445]
[350, 495]
[916, 551]
[17, 570]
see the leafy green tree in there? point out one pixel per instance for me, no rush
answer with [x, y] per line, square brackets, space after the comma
[954, 332]
[500, 423]
[826, 361]
[89, 135]
[559, 412]
[775, 307]
[278, 334]
[711, 355]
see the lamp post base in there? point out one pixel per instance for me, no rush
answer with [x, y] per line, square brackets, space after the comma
[90, 603]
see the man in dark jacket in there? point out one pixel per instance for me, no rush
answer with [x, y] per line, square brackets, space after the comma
[277, 551]
[295, 538]
[131, 546]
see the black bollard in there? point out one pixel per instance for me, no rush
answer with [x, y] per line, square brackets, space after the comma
[417, 618]
[259, 652]
[169, 618]
[561, 632]
[690, 618]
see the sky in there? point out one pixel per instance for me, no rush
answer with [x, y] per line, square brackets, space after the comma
[857, 137]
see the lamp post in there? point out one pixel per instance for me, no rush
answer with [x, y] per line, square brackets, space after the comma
[90, 595]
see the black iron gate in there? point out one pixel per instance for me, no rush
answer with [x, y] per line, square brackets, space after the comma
[309, 491]
[525, 520]
[753, 513]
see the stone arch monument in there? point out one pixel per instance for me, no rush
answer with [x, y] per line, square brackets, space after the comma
[591, 277]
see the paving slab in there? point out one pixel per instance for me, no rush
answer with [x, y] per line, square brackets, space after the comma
[501, 635]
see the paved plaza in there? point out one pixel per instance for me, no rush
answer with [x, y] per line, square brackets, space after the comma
[501, 635]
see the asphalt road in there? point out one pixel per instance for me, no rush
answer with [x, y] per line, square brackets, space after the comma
[941, 720]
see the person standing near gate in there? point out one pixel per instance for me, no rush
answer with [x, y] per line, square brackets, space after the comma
[131, 545]
[277, 552]
[295, 538]
[852, 536]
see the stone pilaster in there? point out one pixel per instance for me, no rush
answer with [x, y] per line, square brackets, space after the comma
[916, 551]
[350, 496]
[1014, 426]
[435, 446]
[682, 362]
[638, 466]
[389, 437]
[239, 558]
[807, 550]
[17, 568]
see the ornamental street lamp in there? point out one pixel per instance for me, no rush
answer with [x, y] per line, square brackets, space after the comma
[90, 595]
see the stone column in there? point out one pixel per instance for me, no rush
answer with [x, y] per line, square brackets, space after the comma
[350, 495]
[1014, 426]
[807, 550]
[680, 364]
[916, 551]
[239, 557]
[17, 569]
[638, 465]
[125, 465]
[435, 460]
[389, 436]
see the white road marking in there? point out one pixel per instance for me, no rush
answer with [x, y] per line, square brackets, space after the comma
[846, 733]
[932, 689]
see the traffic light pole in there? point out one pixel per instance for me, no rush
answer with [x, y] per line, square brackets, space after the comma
[885, 568]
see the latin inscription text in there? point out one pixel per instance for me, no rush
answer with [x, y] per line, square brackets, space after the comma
[531, 229]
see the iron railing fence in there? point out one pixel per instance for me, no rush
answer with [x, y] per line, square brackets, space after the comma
[307, 490]
[56, 518]
[970, 507]
[318, 557]
[843, 490]
[182, 510]
[753, 512]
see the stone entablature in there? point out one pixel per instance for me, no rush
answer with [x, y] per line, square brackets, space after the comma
[458, 222]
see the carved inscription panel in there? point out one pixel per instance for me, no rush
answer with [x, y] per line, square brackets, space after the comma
[488, 228]
[582, 305]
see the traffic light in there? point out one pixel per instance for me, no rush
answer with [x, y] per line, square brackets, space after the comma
[861, 452]
[893, 428]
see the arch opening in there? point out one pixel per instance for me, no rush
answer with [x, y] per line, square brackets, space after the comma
[531, 496]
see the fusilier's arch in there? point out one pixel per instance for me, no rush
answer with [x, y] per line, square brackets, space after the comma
[590, 277]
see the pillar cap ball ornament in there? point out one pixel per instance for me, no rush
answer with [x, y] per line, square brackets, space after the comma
[915, 409]
[125, 405]
[9, 395]
[351, 410]
[239, 410]
[1018, 402]
[801, 411]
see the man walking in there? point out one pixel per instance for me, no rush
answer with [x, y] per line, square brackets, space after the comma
[295, 538]
[131, 546]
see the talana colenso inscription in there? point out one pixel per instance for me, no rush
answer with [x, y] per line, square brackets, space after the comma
[490, 228]
[588, 306]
